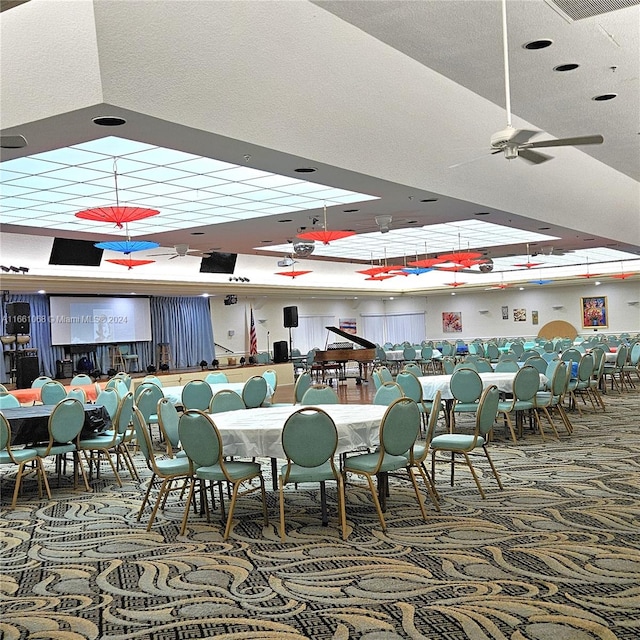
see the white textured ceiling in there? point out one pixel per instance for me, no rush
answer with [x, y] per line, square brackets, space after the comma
[382, 98]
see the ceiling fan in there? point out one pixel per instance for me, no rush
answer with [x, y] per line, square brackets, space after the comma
[515, 143]
[182, 250]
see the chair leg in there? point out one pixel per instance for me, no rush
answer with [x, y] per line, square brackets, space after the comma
[412, 477]
[187, 506]
[473, 473]
[146, 497]
[493, 468]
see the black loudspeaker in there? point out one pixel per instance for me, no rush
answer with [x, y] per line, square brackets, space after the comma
[281, 350]
[291, 316]
[27, 370]
[64, 369]
[18, 318]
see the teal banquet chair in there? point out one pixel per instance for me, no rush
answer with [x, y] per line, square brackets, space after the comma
[196, 394]
[226, 400]
[309, 440]
[320, 394]
[254, 392]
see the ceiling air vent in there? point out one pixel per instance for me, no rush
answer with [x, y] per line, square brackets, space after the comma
[581, 9]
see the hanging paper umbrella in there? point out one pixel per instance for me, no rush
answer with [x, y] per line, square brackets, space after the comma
[416, 270]
[528, 264]
[454, 284]
[127, 246]
[622, 276]
[291, 274]
[541, 282]
[372, 271]
[380, 277]
[426, 263]
[324, 235]
[460, 256]
[129, 262]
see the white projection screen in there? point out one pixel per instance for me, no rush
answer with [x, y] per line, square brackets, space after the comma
[100, 320]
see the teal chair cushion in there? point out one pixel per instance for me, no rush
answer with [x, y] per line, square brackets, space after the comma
[298, 474]
[19, 455]
[235, 471]
[455, 442]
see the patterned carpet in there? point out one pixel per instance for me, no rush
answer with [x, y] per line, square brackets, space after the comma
[555, 556]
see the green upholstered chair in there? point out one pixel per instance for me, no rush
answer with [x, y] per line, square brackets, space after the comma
[507, 366]
[320, 394]
[8, 401]
[466, 389]
[254, 392]
[309, 440]
[463, 444]
[196, 394]
[525, 386]
[52, 392]
[387, 393]
[202, 443]
[399, 429]
[168, 418]
[19, 457]
[216, 377]
[81, 379]
[226, 400]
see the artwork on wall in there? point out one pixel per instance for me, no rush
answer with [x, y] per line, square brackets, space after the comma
[594, 312]
[348, 325]
[534, 317]
[505, 313]
[452, 322]
[520, 315]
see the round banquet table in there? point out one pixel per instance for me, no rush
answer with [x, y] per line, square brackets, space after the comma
[503, 380]
[29, 396]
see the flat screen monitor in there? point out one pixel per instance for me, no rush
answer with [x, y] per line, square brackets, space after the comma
[81, 253]
[99, 320]
[219, 263]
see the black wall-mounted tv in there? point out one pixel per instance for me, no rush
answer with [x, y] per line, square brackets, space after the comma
[219, 263]
[81, 253]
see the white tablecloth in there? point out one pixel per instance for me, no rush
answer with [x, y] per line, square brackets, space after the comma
[504, 382]
[257, 432]
[399, 354]
[174, 394]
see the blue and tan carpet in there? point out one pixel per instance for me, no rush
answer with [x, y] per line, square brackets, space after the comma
[555, 556]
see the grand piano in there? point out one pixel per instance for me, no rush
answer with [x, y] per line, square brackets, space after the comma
[338, 354]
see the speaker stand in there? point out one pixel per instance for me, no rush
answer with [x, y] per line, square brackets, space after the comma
[289, 343]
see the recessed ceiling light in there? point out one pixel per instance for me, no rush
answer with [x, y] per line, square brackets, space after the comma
[109, 121]
[521, 288]
[538, 44]
[42, 291]
[453, 293]
[543, 228]
[429, 200]
[589, 239]
[197, 233]
[285, 220]
[605, 96]
[482, 213]
[266, 241]
[566, 67]
[412, 222]
[205, 295]
[305, 170]
[597, 282]
[350, 210]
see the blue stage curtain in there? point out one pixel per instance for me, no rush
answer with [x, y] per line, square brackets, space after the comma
[185, 324]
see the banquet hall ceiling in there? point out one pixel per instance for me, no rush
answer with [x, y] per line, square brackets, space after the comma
[396, 100]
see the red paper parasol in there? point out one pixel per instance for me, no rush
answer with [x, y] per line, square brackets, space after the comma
[117, 215]
[374, 271]
[588, 275]
[291, 274]
[426, 263]
[460, 256]
[622, 276]
[455, 284]
[130, 262]
[324, 235]
[380, 277]
[528, 265]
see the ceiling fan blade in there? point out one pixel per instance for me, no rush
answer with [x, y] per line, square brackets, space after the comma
[523, 136]
[175, 255]
[155, 255]
[533, 156]
[460, 164]
[566, 142]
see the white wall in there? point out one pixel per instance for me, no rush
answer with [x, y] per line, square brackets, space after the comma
[623, 317]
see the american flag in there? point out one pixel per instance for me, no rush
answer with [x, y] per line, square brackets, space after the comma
[253, 337]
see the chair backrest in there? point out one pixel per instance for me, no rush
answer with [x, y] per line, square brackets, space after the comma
[399, 427]
[147, 400]
[539, 363]
[412, 367]
[216, 377]
[79, 393]
[109, 399]
[320, 394]
[254, 392]
[410, 385]
[387, 393]
[66, 421]
[621, 356]
[123, 375]
[549, 346]
[493, 353]
[585, 367]
[200, 438]
[507, 366]
[8, 401]
[517, 348]
[153, 379]
[377, 380]
[559, 379]
[408, 353]
[431, 425]
[52, 392]
[124, 349]
[483, 366]
[80, 380]
[271, 376]
[226, 400]
[302, 384]
[426, 353]
[466, 385]
[309, 438]
[168, 420]
[634, 358]
[446, 349]
[143, 439]
[385, 374]
[487, 410]
[467, 364]
[549, 356]
[196, 394]
[146, 384]
[3, 389]
[570, 354]
[526, 383]
[124, 414]
[5, 434]
[39, 381]
[119, 384]
[448, 365]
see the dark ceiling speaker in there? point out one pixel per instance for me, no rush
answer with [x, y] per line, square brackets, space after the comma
[17, 320]
[13, 142]
[487, 267]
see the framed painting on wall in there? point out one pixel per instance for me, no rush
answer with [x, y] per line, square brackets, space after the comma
[534, 317]
[520, 315]
[505, 313]
[348, 325]
[594, 312]
[452, 322]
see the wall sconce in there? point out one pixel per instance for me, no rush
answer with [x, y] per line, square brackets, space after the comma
[557, 307]
[633, 303]
[483, 311]
[231, 333]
